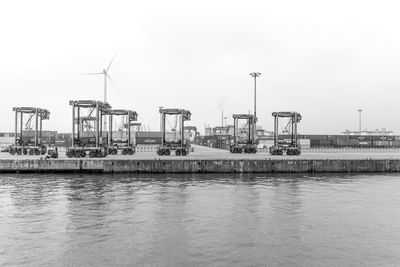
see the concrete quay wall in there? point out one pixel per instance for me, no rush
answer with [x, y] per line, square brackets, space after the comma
[200, 166]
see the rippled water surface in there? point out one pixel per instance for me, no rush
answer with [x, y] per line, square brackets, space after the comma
[199, 220]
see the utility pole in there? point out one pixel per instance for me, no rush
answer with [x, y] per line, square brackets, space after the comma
[255, 75]
[359, 119]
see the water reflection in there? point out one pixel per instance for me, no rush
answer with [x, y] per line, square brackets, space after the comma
[247, 219]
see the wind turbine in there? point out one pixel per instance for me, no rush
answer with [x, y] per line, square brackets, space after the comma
[106, 77]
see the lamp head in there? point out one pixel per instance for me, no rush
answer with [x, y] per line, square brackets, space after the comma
[255, 74]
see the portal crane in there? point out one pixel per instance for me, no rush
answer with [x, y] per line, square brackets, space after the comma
[124, 144]
[88, 136]
[248, 145]
[178, 143]
[24, 142]
[290, 146]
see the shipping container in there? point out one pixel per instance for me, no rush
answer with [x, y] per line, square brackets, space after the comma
[365, 143]
[351, 137]
[341, 142]
[385, 143]
[148, 134]
[384, 138]
[395, 143]
[353, 142]
[315, 143]
[7, 140]
[325, 143]
[304, 141]
[148, 140]
[337, 137]
[365, 138]
[316, 137]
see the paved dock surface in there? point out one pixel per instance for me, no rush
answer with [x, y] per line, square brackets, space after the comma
[207, 153]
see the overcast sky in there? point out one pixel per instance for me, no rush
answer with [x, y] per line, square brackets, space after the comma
[324, 59]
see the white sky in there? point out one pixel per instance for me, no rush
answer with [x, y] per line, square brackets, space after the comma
[324, 59]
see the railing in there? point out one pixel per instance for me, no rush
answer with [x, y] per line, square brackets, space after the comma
[351, 150]
[152, 148]
[146, 148]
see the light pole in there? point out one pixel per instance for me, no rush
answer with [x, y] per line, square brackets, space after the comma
[161, 121]
[255, 75]
[359, 119]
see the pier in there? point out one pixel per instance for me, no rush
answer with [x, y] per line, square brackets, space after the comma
[208, 160]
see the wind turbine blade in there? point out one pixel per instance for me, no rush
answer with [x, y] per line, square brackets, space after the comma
[110, 79]
[115, 86]
[90, 73]
[109, 65]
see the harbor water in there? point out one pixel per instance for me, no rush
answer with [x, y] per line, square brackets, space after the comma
[200, 220]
